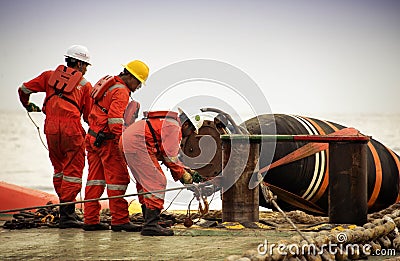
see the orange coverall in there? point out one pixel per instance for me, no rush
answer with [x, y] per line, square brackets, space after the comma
[142, 156]
[64, 132]
[107, 166]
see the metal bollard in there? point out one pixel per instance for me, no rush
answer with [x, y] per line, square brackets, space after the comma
[348, 182]
[239, 160]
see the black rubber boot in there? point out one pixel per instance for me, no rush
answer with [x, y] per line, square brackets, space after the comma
[151, 226]
[68, 217]
[164, 224]
[128, 227]
[93, 227]
[144, 211]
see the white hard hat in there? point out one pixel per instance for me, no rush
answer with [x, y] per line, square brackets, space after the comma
[196, 119]
[78, 52]
[184, 117]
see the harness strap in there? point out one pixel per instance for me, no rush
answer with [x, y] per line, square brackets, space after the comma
[95, 92]
[153, 133]
[60, 94]
[101, 107]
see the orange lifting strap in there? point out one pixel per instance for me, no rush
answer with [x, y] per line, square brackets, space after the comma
[102, 86]
[65, 79]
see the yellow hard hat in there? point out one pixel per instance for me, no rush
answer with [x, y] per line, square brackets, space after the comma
[138, 69]
[134, 207]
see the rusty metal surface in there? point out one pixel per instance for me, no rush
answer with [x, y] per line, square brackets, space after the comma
[203, 152]
[239, 202]
[348, 183]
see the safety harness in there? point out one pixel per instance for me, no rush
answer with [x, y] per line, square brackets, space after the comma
[153, 133]
[100, 88]
[98, 91]
[64, 80]
[158, 115]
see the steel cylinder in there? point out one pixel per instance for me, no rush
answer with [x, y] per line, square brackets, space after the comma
[239, 160]
[348, 183]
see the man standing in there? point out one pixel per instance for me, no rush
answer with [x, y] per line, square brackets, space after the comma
[67, 98]
[107, 166]
[144, 143]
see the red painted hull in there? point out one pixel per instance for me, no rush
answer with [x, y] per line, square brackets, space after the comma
[13, 197]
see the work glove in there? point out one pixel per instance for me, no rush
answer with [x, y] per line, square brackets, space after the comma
[31, 107]
[187, 178]
[196, 177]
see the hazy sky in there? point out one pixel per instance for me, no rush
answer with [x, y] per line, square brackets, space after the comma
[305, 56]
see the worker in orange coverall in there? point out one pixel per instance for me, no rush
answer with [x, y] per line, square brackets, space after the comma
[107, 166]
[67, 98]
[156, 138]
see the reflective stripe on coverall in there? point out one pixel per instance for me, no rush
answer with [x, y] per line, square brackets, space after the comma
[139, 148]
[64, 132]
[107, 165]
